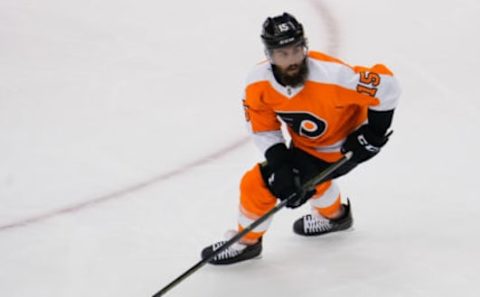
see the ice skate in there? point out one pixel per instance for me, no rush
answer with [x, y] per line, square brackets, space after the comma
[235, 253]
[314, 225]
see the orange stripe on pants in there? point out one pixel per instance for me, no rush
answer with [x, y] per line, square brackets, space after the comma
[255, 199]
[327, 200]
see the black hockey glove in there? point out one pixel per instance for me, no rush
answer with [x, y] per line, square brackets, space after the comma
[364, 144]
[284, 179]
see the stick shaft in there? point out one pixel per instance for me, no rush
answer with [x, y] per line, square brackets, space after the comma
[307, 186]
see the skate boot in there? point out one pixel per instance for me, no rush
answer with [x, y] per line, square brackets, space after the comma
[235, 253]
[312, 225]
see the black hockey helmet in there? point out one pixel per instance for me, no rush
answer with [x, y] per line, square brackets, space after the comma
[281, 30]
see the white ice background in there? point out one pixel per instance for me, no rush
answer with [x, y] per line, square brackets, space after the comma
[122, 143]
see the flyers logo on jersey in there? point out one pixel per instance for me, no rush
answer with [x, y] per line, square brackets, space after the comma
[304, 123]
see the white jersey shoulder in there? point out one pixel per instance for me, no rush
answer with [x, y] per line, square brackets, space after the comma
[340, 74]
[261, 72]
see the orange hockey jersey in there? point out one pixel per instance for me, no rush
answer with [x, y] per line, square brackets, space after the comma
[320, 114]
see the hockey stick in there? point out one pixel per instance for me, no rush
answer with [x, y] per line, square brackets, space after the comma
[309, 185]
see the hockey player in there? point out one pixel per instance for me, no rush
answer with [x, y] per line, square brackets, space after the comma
[329, 108]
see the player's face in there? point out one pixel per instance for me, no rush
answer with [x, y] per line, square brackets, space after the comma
[289, 59]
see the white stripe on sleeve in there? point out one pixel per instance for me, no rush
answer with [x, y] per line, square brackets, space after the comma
[264, 140]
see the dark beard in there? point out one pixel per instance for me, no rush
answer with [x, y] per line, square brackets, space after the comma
[291, 80]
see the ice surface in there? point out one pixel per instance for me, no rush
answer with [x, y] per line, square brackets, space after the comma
[122, 143]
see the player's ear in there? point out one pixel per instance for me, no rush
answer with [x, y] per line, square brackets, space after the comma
[268, 54]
